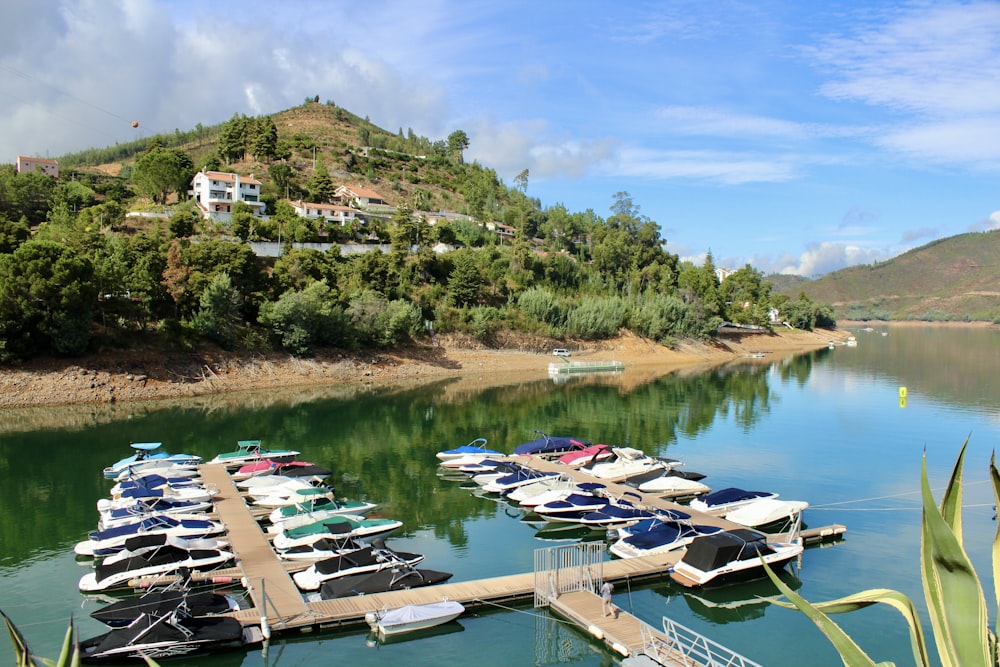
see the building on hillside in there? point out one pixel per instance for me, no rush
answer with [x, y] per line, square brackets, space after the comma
[722, 273]
[215, 192]
[502, 230]
[331, 213]
[37, 164]
[358, 196]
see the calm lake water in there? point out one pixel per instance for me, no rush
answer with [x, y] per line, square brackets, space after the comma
[828, 427]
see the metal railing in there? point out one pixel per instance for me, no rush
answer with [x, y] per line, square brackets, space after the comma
[563, 569]
[684, 646]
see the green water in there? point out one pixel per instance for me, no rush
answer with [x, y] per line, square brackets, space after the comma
[825, 427]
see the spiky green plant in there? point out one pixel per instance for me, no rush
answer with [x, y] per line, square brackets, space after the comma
[69, 656]
[952, 589]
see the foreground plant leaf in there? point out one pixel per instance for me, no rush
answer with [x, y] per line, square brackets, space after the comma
[850, 652]
[952, 590]
[21, 652]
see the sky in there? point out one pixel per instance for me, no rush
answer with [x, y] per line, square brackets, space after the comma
[797, 137]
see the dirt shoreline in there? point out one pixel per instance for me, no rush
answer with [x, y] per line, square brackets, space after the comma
[132, 376]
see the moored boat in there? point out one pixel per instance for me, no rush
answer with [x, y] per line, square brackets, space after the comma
[726, 500]
[410, 618]
[365, 559]
[147, 453]
[475, 448]
[393, 579]
[169, 636]
[731, 555]
[250, 451]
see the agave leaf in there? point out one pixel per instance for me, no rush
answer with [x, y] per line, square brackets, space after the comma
[21, 652]
[894, 599]
[69, 646]
[951, 586]
[850, 652]
[951, 501]
[995, 478]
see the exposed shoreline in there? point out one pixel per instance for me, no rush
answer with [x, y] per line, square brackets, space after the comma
[126, 377]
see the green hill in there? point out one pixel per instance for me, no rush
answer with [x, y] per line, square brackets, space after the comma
[951, 279]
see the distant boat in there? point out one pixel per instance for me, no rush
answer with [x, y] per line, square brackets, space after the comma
[548, 444]
[250, 451]
[147, 455]
[414, 617]
[475, 448]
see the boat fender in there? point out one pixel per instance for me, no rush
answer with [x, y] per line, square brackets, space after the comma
[265, 628]
[222, 580]
[596, 631]
[621, 648]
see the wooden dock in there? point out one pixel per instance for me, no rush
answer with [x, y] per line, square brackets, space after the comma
[279, 603]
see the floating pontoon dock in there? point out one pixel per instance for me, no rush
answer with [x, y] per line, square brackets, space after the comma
[280, 605]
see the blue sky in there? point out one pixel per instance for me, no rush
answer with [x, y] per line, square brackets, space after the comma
[799, 137]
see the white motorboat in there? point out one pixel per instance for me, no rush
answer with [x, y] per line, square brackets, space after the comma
[674, 486]
[365, 559]
[723, 501]
[341, 525]
[147, 455]
[112, 540]
[167, 558]
[628, 462]
[766, 511]
[414, 617]
[663, 537]
[731, 555]
[476, 448]
[250, 451]
[141, 509]
[128, 497]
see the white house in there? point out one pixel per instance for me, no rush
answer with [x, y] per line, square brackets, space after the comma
[216, 191]
[37, 164]
[359, 196]
[332, 213]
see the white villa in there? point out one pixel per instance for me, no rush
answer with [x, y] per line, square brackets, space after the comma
[37, 164]
[356, 195]
[331, 213]
[216, 191]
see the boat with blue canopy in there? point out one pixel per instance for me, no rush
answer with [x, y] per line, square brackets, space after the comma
[148, 452]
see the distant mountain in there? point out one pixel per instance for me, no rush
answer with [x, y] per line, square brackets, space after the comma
[951, 279]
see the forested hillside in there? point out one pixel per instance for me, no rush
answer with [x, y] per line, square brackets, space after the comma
[77, 273]
[951, 279]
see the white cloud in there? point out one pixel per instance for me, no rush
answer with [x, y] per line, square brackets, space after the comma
[511, 147]
[827, 256]
[990, 223]
[716, 166]
[712, 122]
[935, 68]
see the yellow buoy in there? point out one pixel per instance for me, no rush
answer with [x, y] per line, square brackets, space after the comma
[902, 392]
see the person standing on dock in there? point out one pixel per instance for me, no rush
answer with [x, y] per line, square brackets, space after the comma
[607, 607]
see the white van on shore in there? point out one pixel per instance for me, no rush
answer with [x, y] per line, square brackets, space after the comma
[561, 352]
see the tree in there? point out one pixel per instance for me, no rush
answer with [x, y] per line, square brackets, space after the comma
[46, 299]
[264, 142]
[232, 144]
[12, 233]
[281, 175]
[521, 181]
[458, 141]
[219, 312]
[320, 186]
[160, 172]
[465, 281]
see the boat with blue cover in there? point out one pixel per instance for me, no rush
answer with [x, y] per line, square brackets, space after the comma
[475, 448]
[148, 453]
[111, 540]
[664, 537]
[147, 507]
[548, 444]
[726, 500]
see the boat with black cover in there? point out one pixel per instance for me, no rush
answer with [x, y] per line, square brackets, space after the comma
[168, 558]
[394, 579]
[174, 635]
[163, 600]
[365, 559]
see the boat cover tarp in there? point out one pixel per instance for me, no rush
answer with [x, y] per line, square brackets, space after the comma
[160, 603]
[380, 582]
[667, 533]
[713, 551]
[150, 629]
[732, 495]
[418, 613]
[550, 445]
